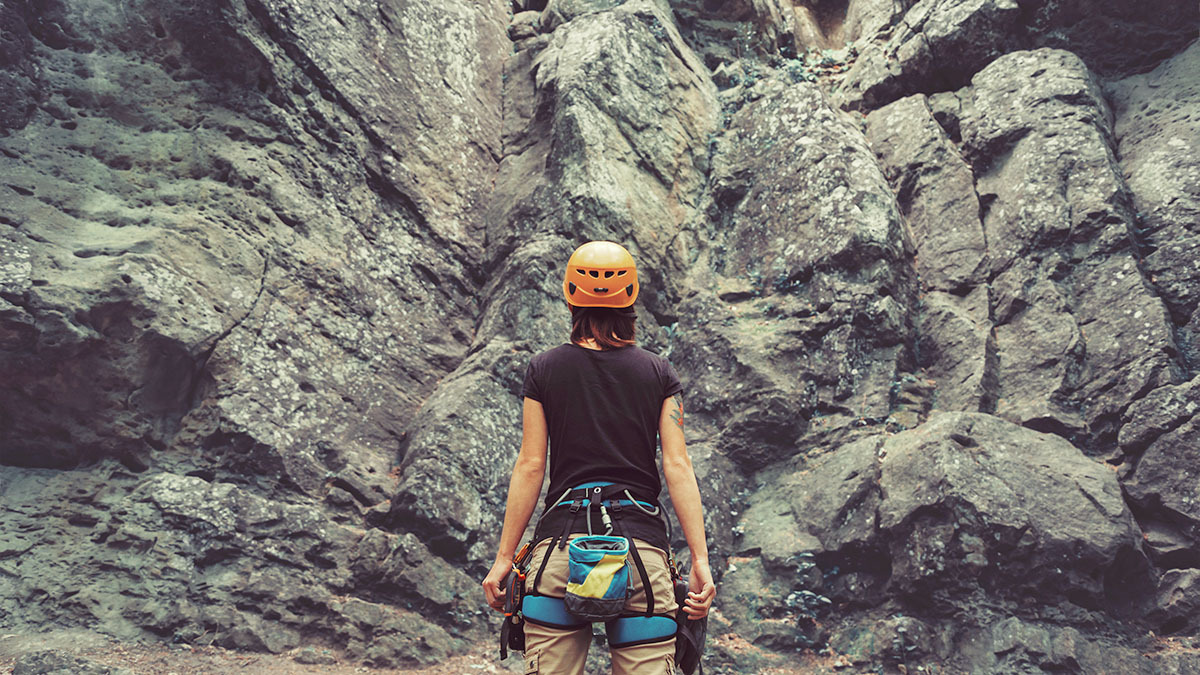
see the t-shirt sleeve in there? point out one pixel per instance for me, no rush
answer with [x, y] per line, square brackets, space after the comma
[671, 383]
[530, 388]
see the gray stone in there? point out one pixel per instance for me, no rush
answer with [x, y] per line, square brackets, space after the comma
[271, 271]
[1165, 479]
[935, 189]
[758, 606]
[786, 260]
[558, 12]
[1158, 142]
[894, 640]
[593, 165]
[524, 26]
[1013, 645]
[53, 662]
[20, 83]
[315, 657]
[1178, 602]
[957, 350]
[1160, 411]
[936, 46]
[1079, 333]
[970, 499]
[939, 45]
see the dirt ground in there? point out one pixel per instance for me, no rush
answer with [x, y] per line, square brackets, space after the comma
[161, 659]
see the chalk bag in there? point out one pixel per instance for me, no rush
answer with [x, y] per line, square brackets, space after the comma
[597, 577]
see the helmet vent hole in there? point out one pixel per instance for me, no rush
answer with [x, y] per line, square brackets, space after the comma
[629, 290]
[571, 287]
[594, 273]
[608, 274]
[581, 273]
[621, 273]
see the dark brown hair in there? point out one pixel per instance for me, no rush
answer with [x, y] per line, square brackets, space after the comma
[610, 328]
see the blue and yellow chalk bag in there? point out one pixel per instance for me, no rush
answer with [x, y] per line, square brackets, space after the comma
[597, 577]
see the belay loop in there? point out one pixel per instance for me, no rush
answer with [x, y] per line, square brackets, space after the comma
[604, 517]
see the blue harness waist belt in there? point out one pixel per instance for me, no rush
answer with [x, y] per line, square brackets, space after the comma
[625, 631]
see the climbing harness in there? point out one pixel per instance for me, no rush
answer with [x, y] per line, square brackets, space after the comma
[598, 572]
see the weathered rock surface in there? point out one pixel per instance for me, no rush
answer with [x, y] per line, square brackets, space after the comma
[271, 271]
[183, 558]
[1162, 441]
[19, 81]
[964, 506]
[228, 252]
[965, 500]
[53, 662]
[935, 189]
[1158, 143]
[972, 498]
[1079, 332]
[569, 143]
[938, 45]
[799, 308]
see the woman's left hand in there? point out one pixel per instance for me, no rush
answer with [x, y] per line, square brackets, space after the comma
[493, 584]
[701, 591]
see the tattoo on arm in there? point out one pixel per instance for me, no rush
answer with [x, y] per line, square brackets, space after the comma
[677, 413]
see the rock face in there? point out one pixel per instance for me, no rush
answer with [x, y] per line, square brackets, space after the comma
[227, 262]
[1157, 143]
[937, 45]
[271, 271]
[962, 504]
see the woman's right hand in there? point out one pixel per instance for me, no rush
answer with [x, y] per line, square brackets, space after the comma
[493, 584]
[701, 591]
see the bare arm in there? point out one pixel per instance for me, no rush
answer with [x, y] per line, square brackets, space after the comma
[685, 496]
[523, 490]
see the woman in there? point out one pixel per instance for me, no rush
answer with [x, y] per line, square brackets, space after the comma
[601, 401]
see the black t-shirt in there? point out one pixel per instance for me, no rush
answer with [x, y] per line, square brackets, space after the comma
[602, 410]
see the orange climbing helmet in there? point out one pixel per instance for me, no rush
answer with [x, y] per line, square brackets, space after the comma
[601, 274]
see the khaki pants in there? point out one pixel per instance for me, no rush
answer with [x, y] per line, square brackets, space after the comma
[555, 651]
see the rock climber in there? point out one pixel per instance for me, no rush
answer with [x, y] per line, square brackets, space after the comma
[600, 401]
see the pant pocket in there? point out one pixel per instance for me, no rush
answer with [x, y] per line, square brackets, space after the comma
[670, 665]
[531, 664]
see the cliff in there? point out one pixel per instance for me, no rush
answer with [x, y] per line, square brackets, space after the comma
[271, 271]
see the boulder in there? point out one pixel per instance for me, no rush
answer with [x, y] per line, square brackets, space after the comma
[965, 501]
[970, 500]
[1164, 478]
[935, 46]
[1178, 602]
[1013, 645]
[964, 506]
[558, 12]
